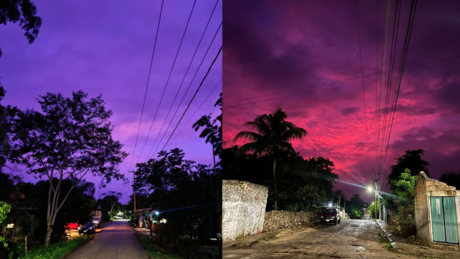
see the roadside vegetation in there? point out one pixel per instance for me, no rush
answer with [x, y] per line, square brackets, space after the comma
[154, 250]
[187, 194]
[59, 147]
[400, 202]
[57, 250]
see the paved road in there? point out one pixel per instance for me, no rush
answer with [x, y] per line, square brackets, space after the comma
[115, 241]
[349, 239]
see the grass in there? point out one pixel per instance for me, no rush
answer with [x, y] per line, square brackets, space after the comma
[153, 250]
[386, 241]
[58, 250]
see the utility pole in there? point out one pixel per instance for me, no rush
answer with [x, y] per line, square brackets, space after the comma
[376, 206]
[134, 195]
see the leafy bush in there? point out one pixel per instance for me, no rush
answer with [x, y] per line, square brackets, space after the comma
[405, 194]
[58, 250]
[4, 209]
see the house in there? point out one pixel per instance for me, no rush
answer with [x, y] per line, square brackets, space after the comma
[437, 213]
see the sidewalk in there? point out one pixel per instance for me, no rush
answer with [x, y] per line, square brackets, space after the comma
[143, 231]
[416, 250]
[250, 240]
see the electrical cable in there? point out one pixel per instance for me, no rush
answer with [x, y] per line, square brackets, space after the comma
[185, 94]
[167, 81]
[147, 87]
[185, 125]
[188, 106]
[186, 73]
[361, 58]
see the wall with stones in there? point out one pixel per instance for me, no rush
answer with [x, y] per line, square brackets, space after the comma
[425, 189]
[284, 219]
[243, 209]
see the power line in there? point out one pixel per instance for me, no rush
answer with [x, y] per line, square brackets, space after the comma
[402, 63]
[170, 72]
[361, 58]
[277, 93]
[147, 86]
[387, 12]
[185, 125]
[288, 96]
[185, 94]
[186, 73]
[188, 106]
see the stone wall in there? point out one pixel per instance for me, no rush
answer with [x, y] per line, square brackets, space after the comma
[243, 209]
[284, 219]
[425, 189]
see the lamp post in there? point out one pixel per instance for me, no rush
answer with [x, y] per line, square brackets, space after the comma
[369, 188]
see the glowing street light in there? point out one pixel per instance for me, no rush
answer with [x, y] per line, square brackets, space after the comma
[369, 188]
[330, 204]
[157, 213]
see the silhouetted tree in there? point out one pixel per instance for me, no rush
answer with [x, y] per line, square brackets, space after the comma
[24, 12]
[272, 136]
[212, 130]
[71, 138]
[411, 160]
[112, 199]
[355, 207]
[451, 179]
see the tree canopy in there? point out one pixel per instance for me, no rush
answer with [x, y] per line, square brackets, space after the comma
[271, 136]
[24, 12]
[412, 160]
[70, 138]
[451, 179]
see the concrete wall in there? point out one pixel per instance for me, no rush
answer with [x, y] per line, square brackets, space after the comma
[425, 189]
[243, 209]
[284, 219]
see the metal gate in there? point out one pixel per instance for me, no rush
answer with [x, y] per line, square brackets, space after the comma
[444, 220]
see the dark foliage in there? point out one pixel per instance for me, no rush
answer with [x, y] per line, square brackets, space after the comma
[185, 193]
[304, 184]
[69, 139]
[24, 12]
[451, 179]
[411, 160]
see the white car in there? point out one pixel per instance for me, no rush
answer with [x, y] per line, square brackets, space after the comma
[96, 221]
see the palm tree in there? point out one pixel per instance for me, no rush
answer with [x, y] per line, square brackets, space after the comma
[272, 136]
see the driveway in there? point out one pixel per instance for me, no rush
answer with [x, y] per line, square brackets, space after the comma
[115, 241]
[349, 239]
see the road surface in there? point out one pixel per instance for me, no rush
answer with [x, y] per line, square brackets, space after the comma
[349, 239]
[115, 241]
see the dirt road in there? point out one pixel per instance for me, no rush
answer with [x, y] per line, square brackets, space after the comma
[349, 239]
[116, 241]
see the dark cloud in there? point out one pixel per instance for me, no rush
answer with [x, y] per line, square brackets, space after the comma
[287, 54]
[350, 110]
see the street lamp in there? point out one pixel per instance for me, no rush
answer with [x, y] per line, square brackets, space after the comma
[157, 213]
[369, 188]
[330, 204]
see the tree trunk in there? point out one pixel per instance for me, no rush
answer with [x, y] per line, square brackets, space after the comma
[49, 231]
[274, 183]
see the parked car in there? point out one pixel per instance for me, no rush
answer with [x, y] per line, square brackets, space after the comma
[72, 226]
[88, 228]
[330, 215]
[96, 221]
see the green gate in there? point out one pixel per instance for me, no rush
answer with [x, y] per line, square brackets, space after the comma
[444, 220]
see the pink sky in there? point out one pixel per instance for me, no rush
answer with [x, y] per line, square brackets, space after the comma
[286, 54]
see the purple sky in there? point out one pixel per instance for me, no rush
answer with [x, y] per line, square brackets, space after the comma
[105, 47]
[288, 51]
